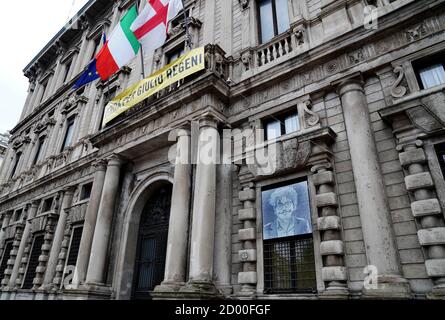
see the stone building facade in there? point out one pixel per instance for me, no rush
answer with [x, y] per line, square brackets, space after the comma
[345, 104]
[4, 139]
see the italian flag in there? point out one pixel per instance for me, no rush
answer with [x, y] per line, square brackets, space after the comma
[121, 47]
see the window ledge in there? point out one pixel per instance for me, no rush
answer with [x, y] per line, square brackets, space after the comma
[419, 94]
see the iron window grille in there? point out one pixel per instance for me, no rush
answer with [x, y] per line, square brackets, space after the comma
[6, 257]
[440, 151]
[289, 265]
[33, 263]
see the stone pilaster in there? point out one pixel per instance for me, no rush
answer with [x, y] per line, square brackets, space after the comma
[374, 211]
[57, 242]
[177, 243]
[426, 210]
[46, 247]
[24, 249]
[248, 277]
[63, 255]
[102, 232]
[90, 223]
[332, 248]
[15, 249]
[6, 217]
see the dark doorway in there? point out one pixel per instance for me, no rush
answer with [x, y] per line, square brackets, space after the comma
[152, 243]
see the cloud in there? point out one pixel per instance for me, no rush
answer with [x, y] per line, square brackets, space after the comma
[25, 31]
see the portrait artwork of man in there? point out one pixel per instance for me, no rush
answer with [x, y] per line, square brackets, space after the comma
[286, 211]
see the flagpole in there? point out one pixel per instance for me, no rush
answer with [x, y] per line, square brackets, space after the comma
[141, 50]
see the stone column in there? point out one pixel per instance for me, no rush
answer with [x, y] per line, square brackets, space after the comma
[203, 228]
[98, 256]
[21, 249]
[57, 241]
[176, 260]
[375, 218]
[89, 224]
[81, 59]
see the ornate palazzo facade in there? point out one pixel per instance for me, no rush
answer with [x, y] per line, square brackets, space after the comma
[353, 115]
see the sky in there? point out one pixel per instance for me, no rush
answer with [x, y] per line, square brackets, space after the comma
[25, 30]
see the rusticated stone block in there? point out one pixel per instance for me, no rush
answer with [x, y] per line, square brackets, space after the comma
[328, 223]
[43, 258]
[247, 234]
[247, 195]
[247, 278]
[413, 156]
[433, 236]
[331, 247]
[326, 177]
[426, 207]
[40, 270]
[418, 181]
[334, 274]
[247, 214]
[46, 247]
[248, 255]
[326, 200]
[435, 267]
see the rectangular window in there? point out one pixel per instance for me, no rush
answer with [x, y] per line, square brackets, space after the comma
[273, 18]
[68, 140]
[38, 155]
[175, 54]
[67, 70]
[33, 262]
[5, 258]
[430, 71]
[289, 263]
[16, 164]
[86, 191]
[17, 215]
[440, 151]
[47, 205]
[282, 125]
[74, 249]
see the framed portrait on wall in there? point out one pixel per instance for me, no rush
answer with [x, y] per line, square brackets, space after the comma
[286, 211]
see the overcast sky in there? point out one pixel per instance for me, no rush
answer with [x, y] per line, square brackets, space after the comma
[25, 30]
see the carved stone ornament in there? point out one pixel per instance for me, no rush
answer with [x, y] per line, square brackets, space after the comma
[246, 58]
[244, 4]
[43, 123]
[416, 33]
[20, 141]
[356, 57]
[300, 35]
[311, 118]
[398, 91]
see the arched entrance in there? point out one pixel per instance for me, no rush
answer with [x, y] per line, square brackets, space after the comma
[152, 242]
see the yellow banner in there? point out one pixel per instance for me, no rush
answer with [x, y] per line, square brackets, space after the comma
[186, 65]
